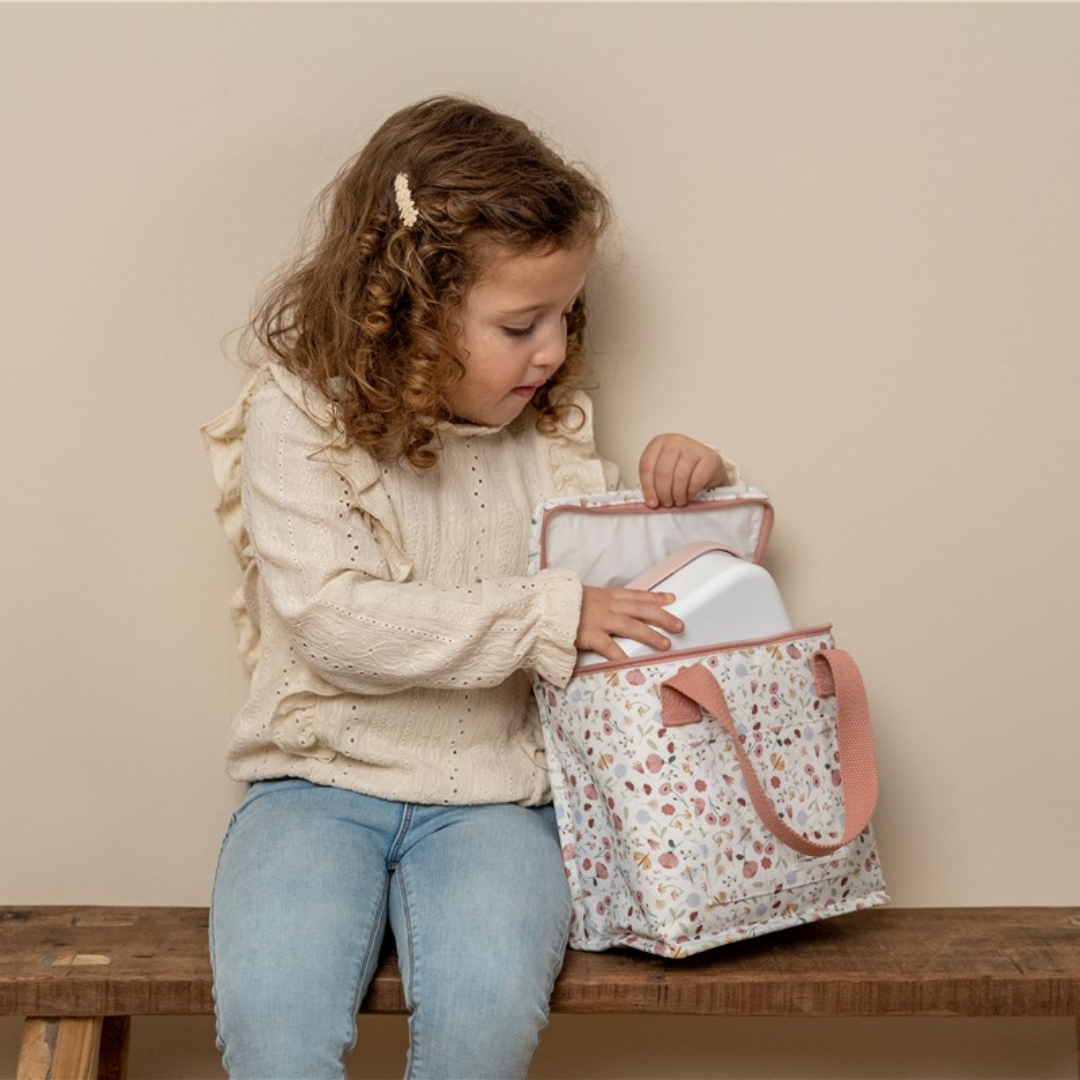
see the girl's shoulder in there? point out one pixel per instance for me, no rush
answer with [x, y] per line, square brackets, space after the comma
[268, 388]
[277, 382]
[277, 412]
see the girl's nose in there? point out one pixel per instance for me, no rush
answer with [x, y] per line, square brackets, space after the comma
[552, 351]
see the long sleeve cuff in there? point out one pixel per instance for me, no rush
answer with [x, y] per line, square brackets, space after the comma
[555, 654]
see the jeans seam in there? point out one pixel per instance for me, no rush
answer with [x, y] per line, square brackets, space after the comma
[407, 985]
[219, 1038]
[395, 846]
[368, 964]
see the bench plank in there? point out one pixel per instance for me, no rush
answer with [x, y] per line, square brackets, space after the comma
[1017, 961]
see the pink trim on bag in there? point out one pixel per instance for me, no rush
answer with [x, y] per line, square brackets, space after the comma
[707, 650]
[641, 508]
[693, 692]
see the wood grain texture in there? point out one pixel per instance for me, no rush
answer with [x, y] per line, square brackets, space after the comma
[1020, 961]
[59, 1049]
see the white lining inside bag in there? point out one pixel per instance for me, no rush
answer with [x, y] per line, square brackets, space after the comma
[706, 553]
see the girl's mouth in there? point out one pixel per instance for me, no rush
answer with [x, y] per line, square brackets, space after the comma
[526, 391]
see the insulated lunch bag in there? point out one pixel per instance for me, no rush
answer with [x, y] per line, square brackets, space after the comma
[719, 790]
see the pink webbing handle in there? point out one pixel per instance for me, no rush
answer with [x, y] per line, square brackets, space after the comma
[694, 691]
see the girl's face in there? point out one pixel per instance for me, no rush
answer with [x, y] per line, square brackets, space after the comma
[513, 333]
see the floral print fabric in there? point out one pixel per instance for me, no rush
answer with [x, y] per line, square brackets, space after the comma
[662, 848]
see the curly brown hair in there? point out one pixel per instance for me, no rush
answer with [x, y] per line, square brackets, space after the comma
[371, 313]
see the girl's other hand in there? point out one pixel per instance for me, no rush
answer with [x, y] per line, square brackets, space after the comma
[629, 613]
[674, 468]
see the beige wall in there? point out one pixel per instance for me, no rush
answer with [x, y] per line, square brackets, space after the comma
[848, 249]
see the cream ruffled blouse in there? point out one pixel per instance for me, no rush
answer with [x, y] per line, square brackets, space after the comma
[384, 610]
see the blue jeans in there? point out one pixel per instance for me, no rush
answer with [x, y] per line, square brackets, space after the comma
[307, 880]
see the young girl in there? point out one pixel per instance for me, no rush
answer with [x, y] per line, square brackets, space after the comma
[378, 474]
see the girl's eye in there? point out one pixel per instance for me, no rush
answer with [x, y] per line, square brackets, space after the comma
[519, 331]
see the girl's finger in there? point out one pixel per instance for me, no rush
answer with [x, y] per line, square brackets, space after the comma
[682, 479]
[664, 472]
[639, 631]
[708, 471]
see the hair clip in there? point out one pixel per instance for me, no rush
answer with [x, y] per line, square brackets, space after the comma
[406, 206]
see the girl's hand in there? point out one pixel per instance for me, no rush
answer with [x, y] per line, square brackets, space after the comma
[629, 613]
[674, 468]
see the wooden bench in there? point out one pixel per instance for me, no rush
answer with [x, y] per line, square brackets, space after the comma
[78, 974]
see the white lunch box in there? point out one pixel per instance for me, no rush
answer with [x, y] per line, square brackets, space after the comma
[718, 596]
[705, 553]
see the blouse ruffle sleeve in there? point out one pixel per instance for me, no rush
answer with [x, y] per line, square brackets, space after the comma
[224, 441]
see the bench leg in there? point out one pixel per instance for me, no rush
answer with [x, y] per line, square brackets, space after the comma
[59, 1049]
[112, 1062]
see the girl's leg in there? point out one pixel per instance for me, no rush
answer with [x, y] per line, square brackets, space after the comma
[298, 914]
[480, 912]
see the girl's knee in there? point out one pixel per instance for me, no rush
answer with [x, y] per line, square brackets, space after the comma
[268, 1033]
[475, 1036]
[478, 1010]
